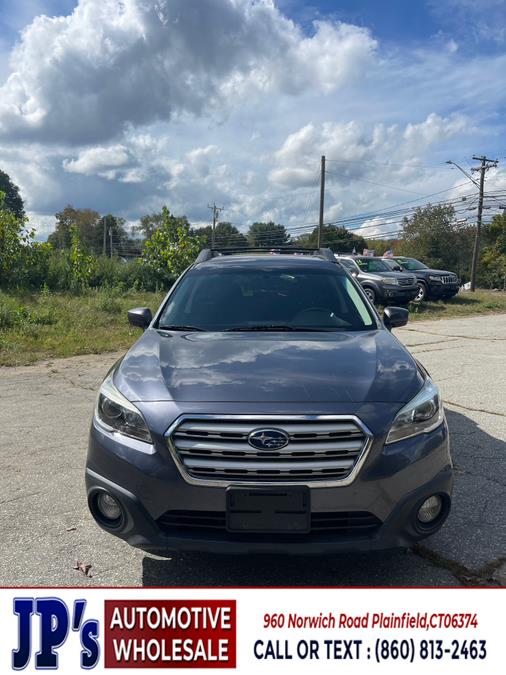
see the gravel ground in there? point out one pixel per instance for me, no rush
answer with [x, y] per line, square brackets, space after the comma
[45, 525]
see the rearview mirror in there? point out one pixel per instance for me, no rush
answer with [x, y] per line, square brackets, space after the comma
[140, 317]
[395, 317]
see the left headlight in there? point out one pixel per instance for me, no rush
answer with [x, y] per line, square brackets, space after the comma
[117, 413]
[422, 414]
[390, 281]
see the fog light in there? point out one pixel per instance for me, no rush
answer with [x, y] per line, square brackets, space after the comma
[430, 509]
[108, 507]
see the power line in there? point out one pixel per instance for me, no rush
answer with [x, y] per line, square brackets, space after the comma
[390, 187]
[216, 213]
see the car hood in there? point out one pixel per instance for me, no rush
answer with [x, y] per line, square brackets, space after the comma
[379, 276]
[442, 273]
[398, 275]
[268, 367]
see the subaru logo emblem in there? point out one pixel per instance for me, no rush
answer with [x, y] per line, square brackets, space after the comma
[268, 439]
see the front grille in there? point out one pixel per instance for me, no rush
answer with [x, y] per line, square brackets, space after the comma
[343, 523]
[448, 279]
[319, 449]
[407, 281]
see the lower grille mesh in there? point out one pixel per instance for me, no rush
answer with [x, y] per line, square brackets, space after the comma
[406, 281]
[344, 523]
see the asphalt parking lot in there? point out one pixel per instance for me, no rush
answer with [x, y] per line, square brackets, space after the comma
[45, 526]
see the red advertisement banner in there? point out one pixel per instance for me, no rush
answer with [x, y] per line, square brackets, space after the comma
[170, 633]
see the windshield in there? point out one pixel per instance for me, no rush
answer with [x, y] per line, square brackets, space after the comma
[349, 264]
[372, 265]
[266, 298]
[412, 264]
[394, 265]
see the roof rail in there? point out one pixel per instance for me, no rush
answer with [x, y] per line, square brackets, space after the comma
[264, 249]
[204, 255]
[327, 253]
[209, 253]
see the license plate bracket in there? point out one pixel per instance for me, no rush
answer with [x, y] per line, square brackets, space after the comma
[269, 510]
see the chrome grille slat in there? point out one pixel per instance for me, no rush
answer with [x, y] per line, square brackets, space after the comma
[324, 428]
[268, 455]
[447, 279]
[222, 444]
[321, 449]
[269, 465]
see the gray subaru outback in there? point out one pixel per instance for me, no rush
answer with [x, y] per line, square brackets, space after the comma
[267, 407]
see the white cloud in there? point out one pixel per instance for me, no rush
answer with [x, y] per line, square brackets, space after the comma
[375, 227]
[434, 129]
[43, 224]
[80, 79]
[98, 160]
[475, 21]
[126, 106]
[353, 148]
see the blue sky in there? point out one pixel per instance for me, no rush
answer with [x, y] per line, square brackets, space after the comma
[126, 106]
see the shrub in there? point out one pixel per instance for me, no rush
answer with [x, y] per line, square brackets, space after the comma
[14, 314]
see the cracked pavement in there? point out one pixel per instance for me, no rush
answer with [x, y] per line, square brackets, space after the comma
[45, 526]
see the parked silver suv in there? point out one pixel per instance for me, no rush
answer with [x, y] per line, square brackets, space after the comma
[381, 284]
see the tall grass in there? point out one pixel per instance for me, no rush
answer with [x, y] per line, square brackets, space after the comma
[46, 325]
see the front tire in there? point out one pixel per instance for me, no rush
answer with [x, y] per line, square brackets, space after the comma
[370, 294]
[422, 293]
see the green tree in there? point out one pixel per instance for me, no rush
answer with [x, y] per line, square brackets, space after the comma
[433, 236]
[267, 235]
[379, 246]
[339, 239]
[492, 267]
[82, 265]
[12, 199]
[148, 224]
[15, 239]
[225, 235]
[172, 247]
[86, 221]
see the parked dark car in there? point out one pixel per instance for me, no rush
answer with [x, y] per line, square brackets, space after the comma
[432, 284]
[267, 407]
[381, 284]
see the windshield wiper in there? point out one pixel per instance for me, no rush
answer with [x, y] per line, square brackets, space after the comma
[260, 327]
[180, 327]
[282, 327]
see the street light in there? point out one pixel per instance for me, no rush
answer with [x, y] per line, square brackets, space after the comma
[449, 161]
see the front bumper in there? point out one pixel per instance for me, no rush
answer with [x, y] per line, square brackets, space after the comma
[437, 290]
[391, 485]
[401, 294]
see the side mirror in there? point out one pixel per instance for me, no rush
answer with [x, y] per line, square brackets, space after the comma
[395, 317]
[140, 317]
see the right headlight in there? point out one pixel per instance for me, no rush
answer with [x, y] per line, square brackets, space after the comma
[390, 281]
[117, 413]
[422, 414]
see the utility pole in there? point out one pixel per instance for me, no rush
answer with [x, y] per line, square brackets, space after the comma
[216, 214]
[485, 165]
[110, 239]
[105, 240]
[322, 201]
